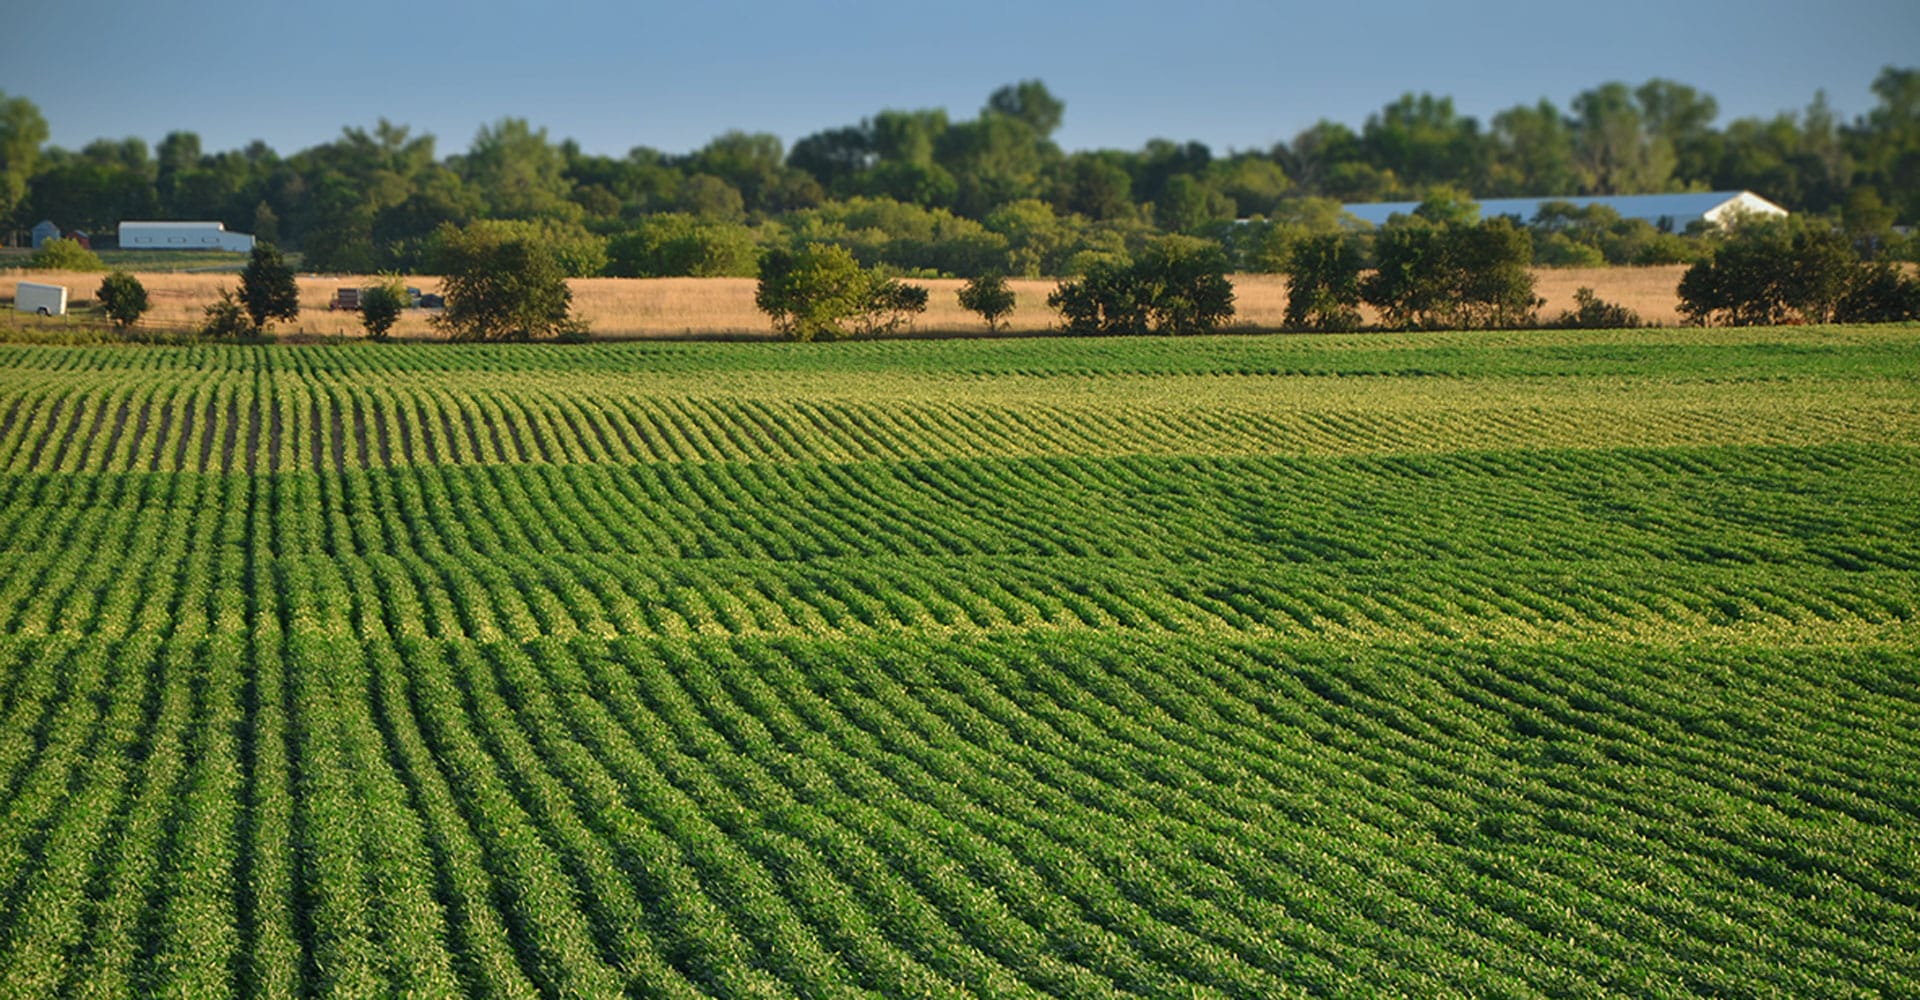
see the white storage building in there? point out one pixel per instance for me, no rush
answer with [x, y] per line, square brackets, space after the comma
[1671, 212]
[182, 236]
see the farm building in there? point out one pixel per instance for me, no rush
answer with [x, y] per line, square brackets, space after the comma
[1670, 212]
[43, 232]
[182, 236]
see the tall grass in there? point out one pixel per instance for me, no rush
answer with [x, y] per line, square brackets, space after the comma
[649, 308]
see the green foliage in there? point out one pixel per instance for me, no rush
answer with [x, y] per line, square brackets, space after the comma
[1237, 667]
[1879, 292]
[821, 292]
[227, 319]
[891, 304]
[882, 230]
[1178, 285]
[1591, 312]
[811, 293]
[267, 288]
[22, 132]
[65, 255]
[501, 285]
[1766, 273]
[578, 253]
[989, 297]
[1461, 276]
[679, 245]
[123, 298]
[1323, 284]
[381, 305]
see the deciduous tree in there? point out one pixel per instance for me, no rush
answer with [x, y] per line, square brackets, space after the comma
[502, 286]
[267, 288]
[123, 298]
[988, 296]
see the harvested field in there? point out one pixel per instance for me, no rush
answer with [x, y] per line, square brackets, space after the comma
[646, 308]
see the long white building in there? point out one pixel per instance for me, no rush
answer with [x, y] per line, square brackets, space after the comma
[1671, 212]
[182, 236]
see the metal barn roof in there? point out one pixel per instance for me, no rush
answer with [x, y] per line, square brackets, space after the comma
[1667, 211]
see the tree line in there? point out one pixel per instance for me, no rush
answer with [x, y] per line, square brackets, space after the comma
[922, 191]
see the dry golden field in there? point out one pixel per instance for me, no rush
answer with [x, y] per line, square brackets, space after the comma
[617, 308]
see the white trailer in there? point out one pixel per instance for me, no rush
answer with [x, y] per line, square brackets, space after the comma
[182, 236]
[46, 300]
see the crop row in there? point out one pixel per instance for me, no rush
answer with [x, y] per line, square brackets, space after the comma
[260, 420]
[1640, 353]
[1062, 815]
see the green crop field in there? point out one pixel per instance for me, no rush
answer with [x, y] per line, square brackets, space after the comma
[1529, 664]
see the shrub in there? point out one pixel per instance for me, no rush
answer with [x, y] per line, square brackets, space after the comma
[821, 291]
[891, 304]
[501, 286]
[227, 319]
[65, 255]
[1591, 312]
[989, 297]
[1879, 293]
[1323, 284]
[1462, 275]
[1178, 285]
[380, 306]
[1769, 273]
[811, 293]
[123, 298]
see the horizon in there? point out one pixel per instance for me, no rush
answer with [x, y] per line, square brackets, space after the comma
[1767, 59]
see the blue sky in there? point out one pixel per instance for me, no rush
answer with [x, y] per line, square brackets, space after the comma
[1232, 74]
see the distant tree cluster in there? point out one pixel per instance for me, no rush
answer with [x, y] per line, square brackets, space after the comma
[922, 192]
[1767, 273]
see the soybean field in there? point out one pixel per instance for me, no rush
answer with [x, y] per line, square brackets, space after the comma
[1509, 665]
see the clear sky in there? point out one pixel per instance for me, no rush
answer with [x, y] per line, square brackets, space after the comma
[1235, 74]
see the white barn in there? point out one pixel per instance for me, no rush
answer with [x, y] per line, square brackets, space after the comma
[1670, 212]
[182, 236]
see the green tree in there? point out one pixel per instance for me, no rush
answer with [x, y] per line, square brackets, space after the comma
[123, 298]
[1178, 285]
[1490, 263]
[1879, 293]
[988, 296]
[1456, 275]
[65, 255]
[579, 253]
[267, 288]
[1030, 102]
[1616, 151]
[502, 286]
[821, 292]
[1188, 204]
[1323, 284]
[890, 304]
[1531, 153]
[679, 245]
[1768, 273]
[22, 132]
[1422, 141]
[522, 175]
[381, 305]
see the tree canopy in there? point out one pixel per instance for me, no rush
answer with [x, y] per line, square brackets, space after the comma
[925, 190]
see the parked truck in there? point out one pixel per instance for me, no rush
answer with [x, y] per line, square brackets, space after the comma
[45, 300]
